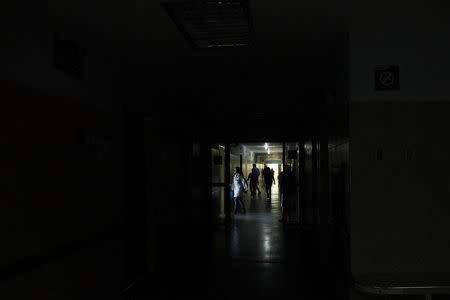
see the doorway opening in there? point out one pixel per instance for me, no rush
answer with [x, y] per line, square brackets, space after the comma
[269, 160]
[261, 163]
[255, 229]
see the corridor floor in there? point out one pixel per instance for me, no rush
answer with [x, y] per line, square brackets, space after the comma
[259, 259]
[255, 259]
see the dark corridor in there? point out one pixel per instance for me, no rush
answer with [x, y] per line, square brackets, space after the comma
[112, 111]
[252, 256]
[254, 259]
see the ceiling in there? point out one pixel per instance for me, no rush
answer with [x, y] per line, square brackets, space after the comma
[293, 35]
[260, 147]
[212, 24]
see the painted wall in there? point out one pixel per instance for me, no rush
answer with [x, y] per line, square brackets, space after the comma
[178, 198]
[339, 182]
[411, 35]
[27, 55]
[61, 171]
[398, 206]
[61, 175]
[61, 149]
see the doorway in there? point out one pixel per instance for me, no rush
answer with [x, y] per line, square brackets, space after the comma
[247, 155]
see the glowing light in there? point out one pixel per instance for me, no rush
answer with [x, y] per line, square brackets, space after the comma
[267, 245]
[266, 146]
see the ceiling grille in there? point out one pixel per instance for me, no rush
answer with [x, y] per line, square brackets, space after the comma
[212, 24]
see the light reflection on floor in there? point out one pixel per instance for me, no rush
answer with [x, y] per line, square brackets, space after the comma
[257, 235]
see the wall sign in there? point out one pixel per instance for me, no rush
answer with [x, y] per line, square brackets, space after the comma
[387, 78]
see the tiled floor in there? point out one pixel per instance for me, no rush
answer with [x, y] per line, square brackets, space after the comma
[255, 259]
[264, 261]
[258, 235]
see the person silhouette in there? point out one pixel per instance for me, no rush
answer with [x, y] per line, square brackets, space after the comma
[268, 180]
[239, 186]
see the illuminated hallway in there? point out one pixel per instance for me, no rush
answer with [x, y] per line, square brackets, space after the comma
[258, 235]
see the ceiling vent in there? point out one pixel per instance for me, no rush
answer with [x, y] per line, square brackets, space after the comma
[212, 24]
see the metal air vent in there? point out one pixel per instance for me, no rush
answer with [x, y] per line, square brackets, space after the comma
[212, 24]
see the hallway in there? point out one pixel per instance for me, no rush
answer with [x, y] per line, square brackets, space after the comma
[261, 261]
[123, 123]
[258, 236]
[253, 256]
[257, 261]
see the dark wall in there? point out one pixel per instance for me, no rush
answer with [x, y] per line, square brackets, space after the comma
[281, 101]
[61, 175]
[399, 200]
[177, 183]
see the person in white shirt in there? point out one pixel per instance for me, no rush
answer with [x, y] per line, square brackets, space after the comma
[239, 186]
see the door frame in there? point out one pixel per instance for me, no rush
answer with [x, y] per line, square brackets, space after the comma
[227, 178]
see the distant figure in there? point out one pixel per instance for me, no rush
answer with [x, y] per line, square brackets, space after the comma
[256, 170]
[285, 184]
[281, 190]
[249, 178]
[273, 177]
[253, 177]
[239, 186]
[280, 183]
[268, 180]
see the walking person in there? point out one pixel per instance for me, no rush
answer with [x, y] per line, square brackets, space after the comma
[289, 191]
[286, 183]
[252, 184]
[239, 186]
[268, 181]
[253, 178]
[256, 173]
[280, 192]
